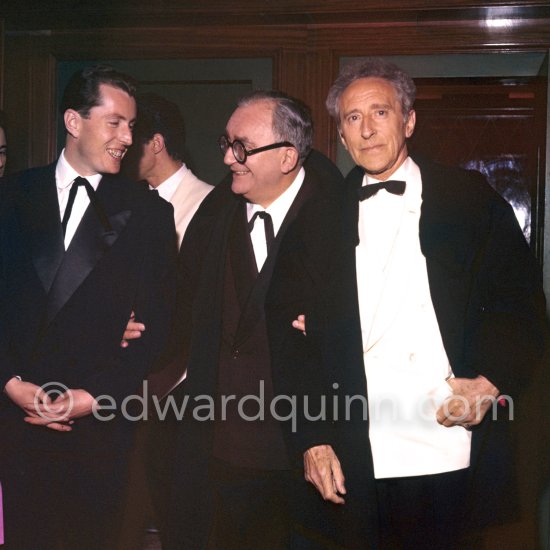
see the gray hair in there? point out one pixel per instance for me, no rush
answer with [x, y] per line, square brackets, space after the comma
[373, 67]
[292, 119]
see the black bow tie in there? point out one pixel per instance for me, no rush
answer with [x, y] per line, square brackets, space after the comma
[268, 227]
[391, 186]
[93, 199]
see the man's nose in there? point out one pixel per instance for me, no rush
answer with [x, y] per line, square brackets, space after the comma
[229, 157]
[367, 129]
[125, 136]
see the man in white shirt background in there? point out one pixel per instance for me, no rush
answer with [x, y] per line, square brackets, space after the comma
[157, 157]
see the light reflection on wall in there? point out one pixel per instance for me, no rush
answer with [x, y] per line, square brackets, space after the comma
[506, 174]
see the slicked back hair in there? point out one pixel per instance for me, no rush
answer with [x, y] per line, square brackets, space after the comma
[158, 115]
[82, 91]
[292, 119]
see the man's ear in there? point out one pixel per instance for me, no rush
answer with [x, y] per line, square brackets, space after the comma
[289, 160]
[73, 121]
[158, 143]
[342, 139]
[410, 123]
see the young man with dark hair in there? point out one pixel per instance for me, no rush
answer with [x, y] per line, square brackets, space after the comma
[80, 248]
[157, 157]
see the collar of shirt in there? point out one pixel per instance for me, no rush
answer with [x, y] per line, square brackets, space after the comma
[65, 174]
[411, 199]
[400, 174]
[168, 187]
[281, 205]
[382, 214]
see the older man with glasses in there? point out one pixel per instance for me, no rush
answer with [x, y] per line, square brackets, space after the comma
[253, 257]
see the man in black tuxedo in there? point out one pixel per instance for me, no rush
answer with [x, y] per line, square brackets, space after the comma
[80, 250]
[435, 321]
[253, 256]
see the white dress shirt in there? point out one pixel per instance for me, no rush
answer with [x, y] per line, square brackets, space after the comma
[168, 187]
[405, 360]
[185, 192]
[65, 175]
[277, 210]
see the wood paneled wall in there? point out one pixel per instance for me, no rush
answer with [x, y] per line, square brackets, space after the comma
[304, 38]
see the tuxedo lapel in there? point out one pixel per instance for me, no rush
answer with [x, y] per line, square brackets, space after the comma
[241, 255]
[39, 218]
[351, 207]
[87, 247]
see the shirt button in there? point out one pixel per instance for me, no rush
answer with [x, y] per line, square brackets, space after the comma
[236, 353]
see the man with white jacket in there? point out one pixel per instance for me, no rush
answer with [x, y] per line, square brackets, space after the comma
[159, 140]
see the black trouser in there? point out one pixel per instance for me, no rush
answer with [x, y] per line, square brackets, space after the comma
[251, 508]
[423, 512]
[54, 501]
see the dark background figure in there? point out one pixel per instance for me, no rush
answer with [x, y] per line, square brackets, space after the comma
[156, 157]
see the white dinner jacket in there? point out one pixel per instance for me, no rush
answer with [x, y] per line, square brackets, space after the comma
[187, 198]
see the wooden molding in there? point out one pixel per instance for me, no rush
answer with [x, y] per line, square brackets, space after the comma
[304, 38]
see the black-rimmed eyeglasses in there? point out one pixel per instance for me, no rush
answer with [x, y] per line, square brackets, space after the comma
[239, 150]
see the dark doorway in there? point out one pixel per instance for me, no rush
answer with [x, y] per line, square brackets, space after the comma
[495, 126]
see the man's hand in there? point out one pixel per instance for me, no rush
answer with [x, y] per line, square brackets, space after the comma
[471, 399]
[26, 395]
[60, 414]
[322, 468]
[133, 330]
[300, 323]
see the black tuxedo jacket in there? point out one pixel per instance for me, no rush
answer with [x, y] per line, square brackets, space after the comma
[311, 225]
[292, 275]
[487, 294]
[63, 313]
